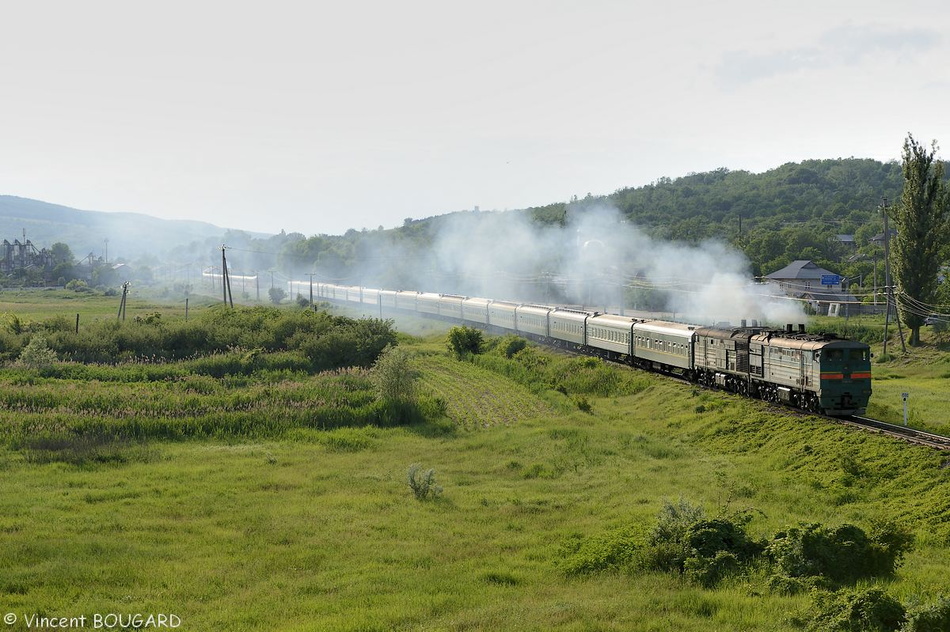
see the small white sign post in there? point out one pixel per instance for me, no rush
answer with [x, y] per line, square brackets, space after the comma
[904, 396]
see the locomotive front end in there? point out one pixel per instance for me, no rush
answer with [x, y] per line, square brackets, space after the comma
[845, 377]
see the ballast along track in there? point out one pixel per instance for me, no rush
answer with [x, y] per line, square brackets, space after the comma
[910, 435]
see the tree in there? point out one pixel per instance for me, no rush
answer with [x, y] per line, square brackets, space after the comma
[276, 295]
[921, 221]
[61, 253]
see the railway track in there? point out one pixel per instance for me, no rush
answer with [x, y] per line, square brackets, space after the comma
[910, 435]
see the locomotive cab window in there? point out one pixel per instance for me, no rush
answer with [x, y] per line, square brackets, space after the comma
[835, 354]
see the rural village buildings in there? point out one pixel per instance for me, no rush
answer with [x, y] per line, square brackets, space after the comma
[821, 288]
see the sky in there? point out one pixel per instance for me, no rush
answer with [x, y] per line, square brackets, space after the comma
[317, 117]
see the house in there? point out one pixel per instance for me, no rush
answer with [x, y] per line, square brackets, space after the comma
[806, 280]
[879, 238]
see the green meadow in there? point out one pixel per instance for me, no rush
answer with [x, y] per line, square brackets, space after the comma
[240, 493]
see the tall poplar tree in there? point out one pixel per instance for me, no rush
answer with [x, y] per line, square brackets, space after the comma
[921, 220]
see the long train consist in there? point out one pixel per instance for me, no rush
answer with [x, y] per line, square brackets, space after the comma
[816, 372]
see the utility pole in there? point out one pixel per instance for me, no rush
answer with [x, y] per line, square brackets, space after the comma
[887, 275]
[225, 280]
[121, 314]
[311, 289]
[888, 288]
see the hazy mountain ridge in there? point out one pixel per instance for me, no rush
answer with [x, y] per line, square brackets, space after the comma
[129, 235]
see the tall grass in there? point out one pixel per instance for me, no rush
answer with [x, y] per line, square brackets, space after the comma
[221, 396]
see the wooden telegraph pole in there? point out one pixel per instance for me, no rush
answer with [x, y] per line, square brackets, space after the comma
[225, 279]
[888, 288]
[121, 314]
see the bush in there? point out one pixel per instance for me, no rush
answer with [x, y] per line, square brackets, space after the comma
[465, 341]
[709, 571]
[349, 343]
[932, 618]
[421, 483]
[704, 550]
[867, 610]
[841, 555]
[37, 354]
[673, 521]
[510, 345]
[708, 538]
[393, 376]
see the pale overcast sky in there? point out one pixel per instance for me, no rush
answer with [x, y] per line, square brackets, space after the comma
[317, 116]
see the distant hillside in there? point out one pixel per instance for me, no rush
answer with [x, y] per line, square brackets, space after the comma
[845, 193]
[129, 235]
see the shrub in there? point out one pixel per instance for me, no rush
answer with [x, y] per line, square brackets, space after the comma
[932, 618]
[704, 550]
[421, 483]
[393, 376]
[891, 542]
[709, 571]
[37, 354]
[673, 521]
[707, 538]
[510, 345]
[866, 610]
[465, 340]
[842, 554]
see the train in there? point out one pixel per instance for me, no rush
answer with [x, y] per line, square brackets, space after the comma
[815, 372]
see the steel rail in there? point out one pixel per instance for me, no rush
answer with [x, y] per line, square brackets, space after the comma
[905, 433]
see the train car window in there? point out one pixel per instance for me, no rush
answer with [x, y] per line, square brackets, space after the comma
[835, 354]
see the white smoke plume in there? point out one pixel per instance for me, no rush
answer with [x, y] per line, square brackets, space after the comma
[595, 259]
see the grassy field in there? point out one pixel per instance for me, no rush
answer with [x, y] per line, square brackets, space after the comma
[32, 304]
[923, 375]
[280, 526]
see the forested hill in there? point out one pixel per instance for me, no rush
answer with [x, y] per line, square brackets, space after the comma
[844, 192]
[792, 212]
